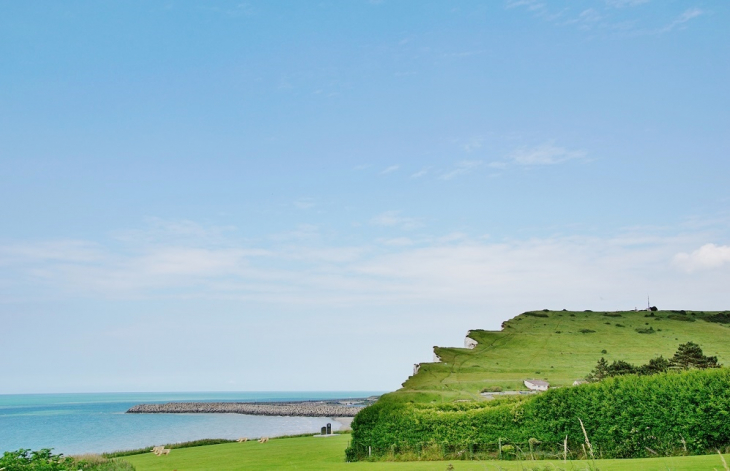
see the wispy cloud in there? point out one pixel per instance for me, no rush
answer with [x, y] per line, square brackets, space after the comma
[397, 241]
[421, 173]
[586, 19]
[394, 219]
[302, 231]
[462, 168]
[612, 18]
[681, 20]
[390, 169]
[531, 5]
[304, 203]
[625, 3]
[473, 145]
[545, 154]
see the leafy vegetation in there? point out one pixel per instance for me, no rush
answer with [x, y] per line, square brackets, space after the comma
[45, 460]
[688, 356]
[720, 318]
[625, 417]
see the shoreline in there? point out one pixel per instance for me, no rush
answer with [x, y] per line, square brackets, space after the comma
[331, 408]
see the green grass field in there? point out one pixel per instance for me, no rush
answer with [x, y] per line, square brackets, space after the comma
[559, 348]
[324, 454]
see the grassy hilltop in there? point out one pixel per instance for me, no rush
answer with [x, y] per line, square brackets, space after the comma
[561, 347]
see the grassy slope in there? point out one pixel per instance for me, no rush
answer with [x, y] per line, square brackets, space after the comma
[530, 347]
[328, 454]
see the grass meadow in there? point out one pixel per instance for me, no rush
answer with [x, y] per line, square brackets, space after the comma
[560, 347]
[322, 454]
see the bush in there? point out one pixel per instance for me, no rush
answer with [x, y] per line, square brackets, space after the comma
[720, 318]
[45, 460]
[649, 330]
[623, 416]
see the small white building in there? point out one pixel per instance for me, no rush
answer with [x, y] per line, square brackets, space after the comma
[537, 384]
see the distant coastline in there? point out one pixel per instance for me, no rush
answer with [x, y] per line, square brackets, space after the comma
[328, 408]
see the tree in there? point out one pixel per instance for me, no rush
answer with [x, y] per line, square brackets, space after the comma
[655, 365]
[599, 372]
[620, 368]
[689, 355]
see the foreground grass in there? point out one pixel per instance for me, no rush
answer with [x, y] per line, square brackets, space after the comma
[309, 453]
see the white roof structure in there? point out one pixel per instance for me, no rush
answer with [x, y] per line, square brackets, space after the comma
[537, 384]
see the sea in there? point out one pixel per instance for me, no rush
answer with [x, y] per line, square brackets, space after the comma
[95, 423]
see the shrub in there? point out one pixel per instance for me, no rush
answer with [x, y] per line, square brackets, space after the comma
[537, 314]
[720, 318]
[679, 317]
[623, 417]
[649, 330]
[586, 331]
[45, 460]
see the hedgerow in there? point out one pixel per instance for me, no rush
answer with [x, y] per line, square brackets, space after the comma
[624, 417]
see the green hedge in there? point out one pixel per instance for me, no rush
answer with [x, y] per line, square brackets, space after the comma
[624, 417]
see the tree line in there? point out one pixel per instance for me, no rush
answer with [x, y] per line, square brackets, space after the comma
[688, 356]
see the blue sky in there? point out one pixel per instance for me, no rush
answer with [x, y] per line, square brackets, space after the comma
[225, 188]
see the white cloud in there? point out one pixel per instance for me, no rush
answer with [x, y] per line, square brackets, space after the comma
[497, 165]
[625, 3]
[462, 168]
[304, 203]
[72, 251]
[545, 154]
[397, 241]
[303, 231]
[531, 5]
[393, 219]
[453, 269]
[686, 16]
[706, 257]
[423, 172]
[473, 145]
[390, 169]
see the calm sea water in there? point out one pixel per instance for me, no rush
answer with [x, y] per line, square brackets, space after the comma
[94, 423]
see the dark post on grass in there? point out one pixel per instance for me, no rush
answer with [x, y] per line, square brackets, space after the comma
[329, 429]
[323, 431]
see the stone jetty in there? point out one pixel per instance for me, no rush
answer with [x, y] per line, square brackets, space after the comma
[287, 409]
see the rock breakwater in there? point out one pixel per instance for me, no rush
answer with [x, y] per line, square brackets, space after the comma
[290, 409]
